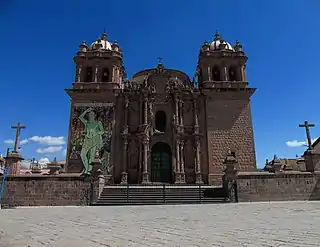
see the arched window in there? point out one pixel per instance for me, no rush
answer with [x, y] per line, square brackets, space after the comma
[161, 121]
[232, 74]
[105, 75]
[216, 73]
[88, 74]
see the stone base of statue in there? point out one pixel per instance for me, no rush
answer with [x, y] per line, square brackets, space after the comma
[180, 178]
[199, 178]
[124, 178]
[145, 178]
[13, 162]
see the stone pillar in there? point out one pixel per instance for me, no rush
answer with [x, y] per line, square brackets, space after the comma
[118, 75]
[151, 116]
[145, 111]
[96, 72]
[178, 166]
[181, 111]
[197, 164]
[177, 110]
[113, 73]
[209, 73]
[13, 162]
[124, 174]
[145, 174]
[196, 118]
[183, 175]
[243, 73]
[225, 73]
[78, 73]
[312, 159]
[140, 157]
[141, 112]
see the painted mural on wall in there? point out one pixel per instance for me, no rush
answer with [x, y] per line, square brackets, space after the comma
[91, 134]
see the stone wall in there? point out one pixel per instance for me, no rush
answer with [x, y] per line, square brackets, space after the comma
[229, 126]
[47, 190]
[284, 186]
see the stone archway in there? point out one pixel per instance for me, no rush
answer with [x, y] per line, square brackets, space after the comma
[161, 163]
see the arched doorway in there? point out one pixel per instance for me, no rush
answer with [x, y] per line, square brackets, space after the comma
[161, 165]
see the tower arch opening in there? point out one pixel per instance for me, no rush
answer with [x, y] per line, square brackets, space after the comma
[105, 75]
[88, 76]
[216, 73]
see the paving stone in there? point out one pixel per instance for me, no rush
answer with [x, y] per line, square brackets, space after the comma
[244, 224]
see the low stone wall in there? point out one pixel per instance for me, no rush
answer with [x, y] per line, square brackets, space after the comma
[46, 190]
[282, 186]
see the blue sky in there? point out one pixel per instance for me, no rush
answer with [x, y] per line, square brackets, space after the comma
[40, 38]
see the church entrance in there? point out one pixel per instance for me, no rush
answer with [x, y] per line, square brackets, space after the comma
[161, 167]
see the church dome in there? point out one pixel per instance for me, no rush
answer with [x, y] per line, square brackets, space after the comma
[101, 43]
[219, 44]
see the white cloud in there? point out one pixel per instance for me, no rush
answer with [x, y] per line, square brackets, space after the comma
[64, 152]
[296, 143]
[9, 141]
[44, 161]
[22, 142]
[51, 149]
[49, 140]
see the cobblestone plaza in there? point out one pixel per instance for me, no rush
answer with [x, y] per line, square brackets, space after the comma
[244, 224]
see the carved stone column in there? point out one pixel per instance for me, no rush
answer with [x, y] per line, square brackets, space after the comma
[178, 166]
[243, 73]
[113, 73]
[145, 174]
[96, 72]
[196, 118]
[140, 157]
[197, 167]
[124, 174]
[197, 164]
[177, 110]
[141, 121]
[181, 112]
[145, 111]
[209, 73]
[183, 175]
[151, 116]
[78, 73]
[225, 73]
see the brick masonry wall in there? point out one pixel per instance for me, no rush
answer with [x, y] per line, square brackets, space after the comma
[286, 186]
[229, 126]
[41, 190]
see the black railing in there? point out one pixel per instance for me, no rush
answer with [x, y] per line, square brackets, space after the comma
[163, 194]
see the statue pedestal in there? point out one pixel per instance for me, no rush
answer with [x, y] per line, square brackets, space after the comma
[13, 162]
[312, 159]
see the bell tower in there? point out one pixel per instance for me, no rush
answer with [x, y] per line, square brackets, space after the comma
[94, 95]
[101, 62]
[221, 73]
[220, 62]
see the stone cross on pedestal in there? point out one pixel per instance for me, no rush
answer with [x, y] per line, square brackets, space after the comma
[18, 128]
[306, 125]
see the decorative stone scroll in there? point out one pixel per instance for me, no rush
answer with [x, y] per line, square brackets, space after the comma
[91, 133]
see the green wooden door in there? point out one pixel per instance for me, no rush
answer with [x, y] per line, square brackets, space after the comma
[161, 169]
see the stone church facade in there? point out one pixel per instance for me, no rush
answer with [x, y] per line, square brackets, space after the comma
[160, 126]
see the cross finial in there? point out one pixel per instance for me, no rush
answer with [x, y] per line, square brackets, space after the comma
[160, 59]
[16, 143]
[307, 126]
